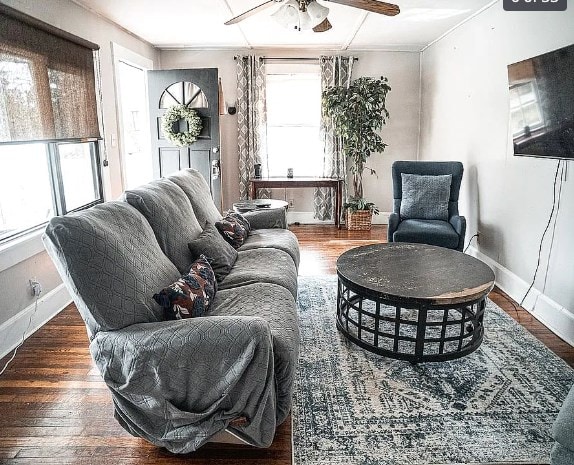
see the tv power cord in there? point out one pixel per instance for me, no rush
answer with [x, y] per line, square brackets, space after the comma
[555, 207]
[36, 290]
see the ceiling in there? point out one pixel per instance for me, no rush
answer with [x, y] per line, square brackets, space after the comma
[198, 24]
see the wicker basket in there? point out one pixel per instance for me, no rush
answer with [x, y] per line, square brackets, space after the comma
[358, 220]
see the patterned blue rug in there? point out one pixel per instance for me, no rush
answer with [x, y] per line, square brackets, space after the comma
[352, 407]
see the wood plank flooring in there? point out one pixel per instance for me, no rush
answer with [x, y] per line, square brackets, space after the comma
[54, 408]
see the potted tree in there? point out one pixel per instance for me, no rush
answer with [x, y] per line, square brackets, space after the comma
[357, 113]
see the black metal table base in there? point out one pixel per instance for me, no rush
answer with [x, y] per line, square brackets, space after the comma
[408, 331]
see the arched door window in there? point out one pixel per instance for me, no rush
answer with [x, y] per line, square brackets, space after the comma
[183, 92]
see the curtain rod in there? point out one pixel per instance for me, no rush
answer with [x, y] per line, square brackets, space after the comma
[290, 58]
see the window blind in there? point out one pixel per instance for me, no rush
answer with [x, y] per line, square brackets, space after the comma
[47, 84]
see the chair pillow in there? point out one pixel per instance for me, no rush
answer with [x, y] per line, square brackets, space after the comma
[425, 197]
[219, 253]
[234, 228]
[191, 295]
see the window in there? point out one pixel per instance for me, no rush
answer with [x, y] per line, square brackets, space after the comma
[136, 154]
[49, 162]
[293, 120]
[525, 113]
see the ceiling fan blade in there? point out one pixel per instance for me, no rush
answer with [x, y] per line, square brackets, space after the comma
[375, 6]
[323, 26]
[251, 12]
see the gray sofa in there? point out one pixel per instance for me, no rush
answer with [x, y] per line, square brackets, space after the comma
[563, 433]
[181, 383]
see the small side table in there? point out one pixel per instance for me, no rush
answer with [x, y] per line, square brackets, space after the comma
[259, 204]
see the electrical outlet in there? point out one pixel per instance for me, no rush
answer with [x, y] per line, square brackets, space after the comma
[291, 203]
[36, 287]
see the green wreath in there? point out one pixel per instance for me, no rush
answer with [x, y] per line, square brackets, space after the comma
[172, 116]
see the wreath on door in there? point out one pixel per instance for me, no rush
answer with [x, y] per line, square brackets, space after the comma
[172, 116]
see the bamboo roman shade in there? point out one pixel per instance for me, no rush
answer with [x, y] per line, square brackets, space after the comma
[47, 84]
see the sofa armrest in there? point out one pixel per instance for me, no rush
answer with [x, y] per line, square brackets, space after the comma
[394, 220]
[177, 383]
[267, 218]
[459, 224]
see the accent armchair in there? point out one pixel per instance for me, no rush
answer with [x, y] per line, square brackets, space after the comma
[425, 206]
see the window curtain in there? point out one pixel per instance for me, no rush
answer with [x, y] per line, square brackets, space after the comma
[47, 84]
[335, 71]
[251, 121]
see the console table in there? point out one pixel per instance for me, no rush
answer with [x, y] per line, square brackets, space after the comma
[290, 183]
[412, 302]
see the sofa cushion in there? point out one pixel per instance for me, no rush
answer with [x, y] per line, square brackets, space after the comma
[276, 305]
[425, 197]
[233, 230]
[263, 266]
[563, 427]
[193, 184]
[432, 232]
[111, 263]
[171, 217]
[191, 295]
[275, 238]
[220, 254]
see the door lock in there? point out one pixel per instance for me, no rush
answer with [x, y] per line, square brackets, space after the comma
[215, 169]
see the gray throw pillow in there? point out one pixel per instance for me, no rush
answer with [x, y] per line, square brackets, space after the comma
[425, 197]
[219, 253]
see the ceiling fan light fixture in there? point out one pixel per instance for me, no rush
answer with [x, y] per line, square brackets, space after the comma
[318, 13]
[305, 22]
[288, 15]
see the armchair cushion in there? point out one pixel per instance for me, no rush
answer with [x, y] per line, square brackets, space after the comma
[191, 295]
[219, 253]
[265, 218]
[425, 197]
[432, 232]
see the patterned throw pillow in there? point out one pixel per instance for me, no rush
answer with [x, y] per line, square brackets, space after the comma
[234, 228]
[191, 295]
[425, 197]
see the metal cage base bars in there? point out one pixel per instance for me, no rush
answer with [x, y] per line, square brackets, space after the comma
[416, 333]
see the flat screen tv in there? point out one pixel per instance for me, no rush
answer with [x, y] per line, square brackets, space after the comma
[542, 105]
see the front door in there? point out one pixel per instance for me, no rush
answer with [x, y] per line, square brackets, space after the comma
[198, 89]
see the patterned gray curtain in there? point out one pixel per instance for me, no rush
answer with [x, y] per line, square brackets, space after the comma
[251, 121]
[335, 71]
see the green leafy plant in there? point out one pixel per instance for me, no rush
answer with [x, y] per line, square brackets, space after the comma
[172, 116]
[355, 204]
[358, 112]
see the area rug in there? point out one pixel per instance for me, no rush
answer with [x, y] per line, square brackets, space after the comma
[496, 405]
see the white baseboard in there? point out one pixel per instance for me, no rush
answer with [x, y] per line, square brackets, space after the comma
[49, 305]
[549, 312]
[307, 218]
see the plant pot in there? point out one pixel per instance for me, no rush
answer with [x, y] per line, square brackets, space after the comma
[359, 220]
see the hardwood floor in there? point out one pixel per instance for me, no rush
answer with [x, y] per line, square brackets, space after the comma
[54, 408]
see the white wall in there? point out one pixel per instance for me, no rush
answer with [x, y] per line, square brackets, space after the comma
[507, 198]
[401, 132]
[17, 267]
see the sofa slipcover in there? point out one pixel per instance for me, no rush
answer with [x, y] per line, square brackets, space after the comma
[179, 383]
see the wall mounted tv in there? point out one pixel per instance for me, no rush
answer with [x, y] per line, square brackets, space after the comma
[542, 105]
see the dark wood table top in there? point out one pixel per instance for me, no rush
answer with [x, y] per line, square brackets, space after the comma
[259, 204]
[418, 273]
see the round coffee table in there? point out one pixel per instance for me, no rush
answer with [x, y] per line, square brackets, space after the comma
[412, 302]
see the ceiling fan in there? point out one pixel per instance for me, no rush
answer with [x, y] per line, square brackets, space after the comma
[309, 14]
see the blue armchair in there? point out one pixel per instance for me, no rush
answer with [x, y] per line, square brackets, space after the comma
[444, 231]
